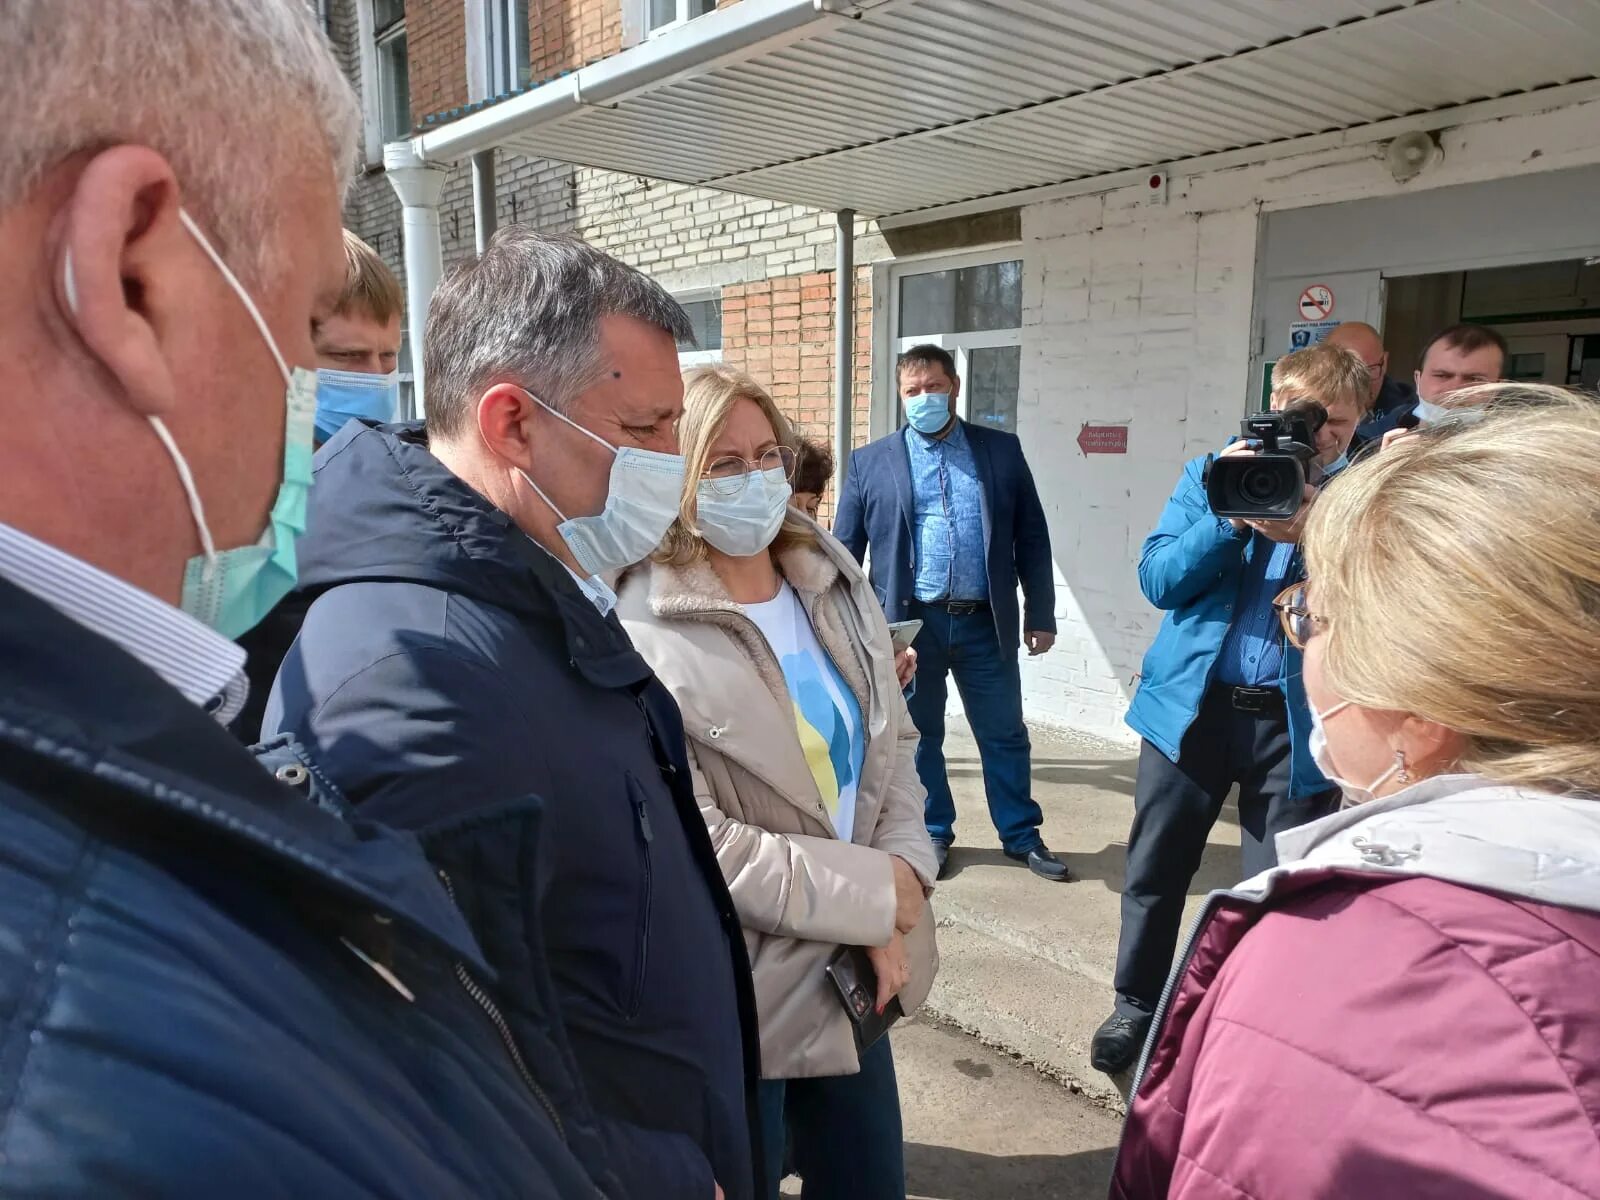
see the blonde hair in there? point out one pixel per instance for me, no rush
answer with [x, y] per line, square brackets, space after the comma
[709, 395]
[1460, 574]
[1327, 374]
[370, 288]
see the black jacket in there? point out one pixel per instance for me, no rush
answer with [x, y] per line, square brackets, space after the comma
[445, 663]
[181, 1009]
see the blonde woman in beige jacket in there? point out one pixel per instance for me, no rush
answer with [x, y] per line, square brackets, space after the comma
[770, 639]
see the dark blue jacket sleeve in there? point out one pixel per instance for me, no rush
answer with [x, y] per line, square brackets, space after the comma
[429, 722]
[850, 519]
[1189, 546]
[1031, 545]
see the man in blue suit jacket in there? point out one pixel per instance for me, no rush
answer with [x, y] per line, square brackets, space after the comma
[955, 523]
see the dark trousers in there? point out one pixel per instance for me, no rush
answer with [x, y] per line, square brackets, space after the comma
[844, 1130]
[967, 647]
[1175, 804]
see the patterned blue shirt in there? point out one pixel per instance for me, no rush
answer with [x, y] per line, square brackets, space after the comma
[952, 562]
[1252, 652]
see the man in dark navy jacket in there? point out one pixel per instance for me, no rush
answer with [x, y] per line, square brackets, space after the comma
[212, 985]
[954, 523]
[459, 649]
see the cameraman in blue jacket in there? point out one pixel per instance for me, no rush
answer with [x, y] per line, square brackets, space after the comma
[1219, 700]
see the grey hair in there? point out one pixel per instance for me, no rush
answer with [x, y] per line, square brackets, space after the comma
[235, 94]
[529, 311]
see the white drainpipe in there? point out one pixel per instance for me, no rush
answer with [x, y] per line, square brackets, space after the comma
[419, 185]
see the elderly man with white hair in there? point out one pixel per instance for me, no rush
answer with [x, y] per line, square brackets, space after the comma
[210, 985]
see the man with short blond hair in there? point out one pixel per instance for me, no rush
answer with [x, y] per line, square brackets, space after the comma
[358, 344]
[1219, 703]
[213, 985]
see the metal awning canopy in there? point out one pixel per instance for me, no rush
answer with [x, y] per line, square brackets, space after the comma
[895, 108]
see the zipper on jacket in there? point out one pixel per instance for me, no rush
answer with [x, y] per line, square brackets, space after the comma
[1179, 968]
[486, 1002]
[641, 953]
[657, 751]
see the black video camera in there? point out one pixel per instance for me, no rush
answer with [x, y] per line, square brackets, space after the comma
[1269, 485]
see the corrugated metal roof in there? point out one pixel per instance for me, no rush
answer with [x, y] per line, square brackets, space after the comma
[922, 103]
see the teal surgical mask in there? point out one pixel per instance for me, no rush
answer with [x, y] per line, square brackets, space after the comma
[642, 501]
[746, 523]
[232, 590]
[344, 396]
[929, 412]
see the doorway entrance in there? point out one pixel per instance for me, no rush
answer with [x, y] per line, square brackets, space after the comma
[1549, 314]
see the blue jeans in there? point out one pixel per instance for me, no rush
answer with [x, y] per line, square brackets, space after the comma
[991, 692]
[844, 1129]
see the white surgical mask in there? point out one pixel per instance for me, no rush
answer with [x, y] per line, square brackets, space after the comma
[1428, 412]
[642, 501]
[1318, 744]
[747, 523]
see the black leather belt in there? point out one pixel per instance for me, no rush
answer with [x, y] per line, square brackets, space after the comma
[958, 608]
[1254, 699]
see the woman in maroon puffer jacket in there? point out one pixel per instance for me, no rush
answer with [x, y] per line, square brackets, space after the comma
[1409, 1006]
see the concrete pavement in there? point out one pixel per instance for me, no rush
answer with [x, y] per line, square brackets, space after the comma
[1026, 964]
[979, 1125]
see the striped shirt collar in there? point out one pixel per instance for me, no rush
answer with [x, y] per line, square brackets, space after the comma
[200, 663]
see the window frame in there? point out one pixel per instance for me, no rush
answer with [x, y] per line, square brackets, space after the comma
[507, 58]
[370, 43]
[701, 358]
[889, 415]
[684, 16]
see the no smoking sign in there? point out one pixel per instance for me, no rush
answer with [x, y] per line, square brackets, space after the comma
[1316, 303]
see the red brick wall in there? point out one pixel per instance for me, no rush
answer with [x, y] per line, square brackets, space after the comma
[566, 34]
[436, 41]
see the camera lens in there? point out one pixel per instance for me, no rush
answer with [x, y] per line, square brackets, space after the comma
[1261, 485]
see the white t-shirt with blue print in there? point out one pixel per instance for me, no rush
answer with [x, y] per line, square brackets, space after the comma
[827, 716]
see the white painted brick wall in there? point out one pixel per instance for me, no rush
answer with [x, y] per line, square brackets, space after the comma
[1143, 315]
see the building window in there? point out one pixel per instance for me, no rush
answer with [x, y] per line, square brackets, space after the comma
[972, 307]
[662, 15]
[705, 316]
[506, 27]
[394, 68]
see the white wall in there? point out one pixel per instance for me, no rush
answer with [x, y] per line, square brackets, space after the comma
[1145, 315]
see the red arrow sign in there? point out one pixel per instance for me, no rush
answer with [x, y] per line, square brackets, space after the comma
[1103, 439]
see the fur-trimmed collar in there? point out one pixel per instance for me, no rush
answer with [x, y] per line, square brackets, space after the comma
[695, 592]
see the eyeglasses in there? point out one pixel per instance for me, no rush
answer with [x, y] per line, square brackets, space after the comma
[728, 475]
[1299, 623]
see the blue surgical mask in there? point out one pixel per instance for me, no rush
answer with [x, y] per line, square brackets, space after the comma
[642, 502]
[344, 396]
[232, 590]
[1336, 465]
[929, 412]
[744, 524]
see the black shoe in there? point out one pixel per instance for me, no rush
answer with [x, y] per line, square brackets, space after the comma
[1043, 864]
[941, 855]
[1117, 1043]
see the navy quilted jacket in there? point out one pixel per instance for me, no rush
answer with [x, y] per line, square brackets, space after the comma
[187, 1001]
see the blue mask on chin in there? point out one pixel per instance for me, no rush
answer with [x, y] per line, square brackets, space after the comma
[929, 412]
